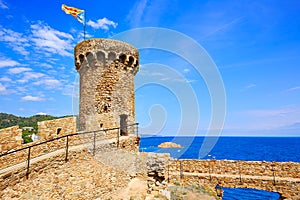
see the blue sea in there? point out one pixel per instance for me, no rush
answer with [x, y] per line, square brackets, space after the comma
[282, 149]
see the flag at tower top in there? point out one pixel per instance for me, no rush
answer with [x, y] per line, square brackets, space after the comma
[75, 12]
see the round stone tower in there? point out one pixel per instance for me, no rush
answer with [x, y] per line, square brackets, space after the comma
[107, 68]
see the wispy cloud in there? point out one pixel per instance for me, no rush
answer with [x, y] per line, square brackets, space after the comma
[8, 63]
[17, 41]
[45, 65]
[43, 39]
[269, 113]
[136, 13]
[70, 90]
[149, 13]
[223, 27]
[31, 98]
[267, 119]
[163, 76]
[31, 75]
[250, 86]
[48, 82]
[18, 70]
[251, 63]
[293, 89]
[2, 89]
[186, 70]
[41, 113]
[5, 79]
[47, 39]
[103, 23]
[3, 5]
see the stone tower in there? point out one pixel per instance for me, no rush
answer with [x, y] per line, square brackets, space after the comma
[106, 68]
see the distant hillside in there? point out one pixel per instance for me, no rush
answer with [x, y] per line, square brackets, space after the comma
[7, 120]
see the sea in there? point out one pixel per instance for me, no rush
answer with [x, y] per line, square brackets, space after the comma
[281, 149]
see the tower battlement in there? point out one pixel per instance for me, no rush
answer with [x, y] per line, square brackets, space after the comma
[107, 68]
[100, 52]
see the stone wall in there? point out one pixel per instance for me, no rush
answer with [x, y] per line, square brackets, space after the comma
[48, 130]
[10, 138]
[156, 171]
[21, 156]
[58, 127]
[282, 177]
[107, 69]
[126, 144]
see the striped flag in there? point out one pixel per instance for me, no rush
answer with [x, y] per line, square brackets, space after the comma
[75, 12]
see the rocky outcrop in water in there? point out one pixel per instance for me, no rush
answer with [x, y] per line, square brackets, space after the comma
[169, 145]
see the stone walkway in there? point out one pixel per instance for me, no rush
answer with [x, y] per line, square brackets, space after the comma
[82, 177]
[57, 152]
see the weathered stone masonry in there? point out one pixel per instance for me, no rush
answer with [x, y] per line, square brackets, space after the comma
[55, 128]
[282, 177]
[10, 138]
[107, 69]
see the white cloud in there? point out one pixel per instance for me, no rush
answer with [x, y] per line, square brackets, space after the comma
[45, 65]
[8, 63]
[2, 5]
[31, 98]
[267, 119]
[186, 70]
[250, 86]
[293, 88]
[2, 89]
[136, 13]
[103, 23]
[70, 90]
[41, 113]
[223, 27]
[17, 41]
[42, 39]
[18, 70]
[269, 113]
[49, 40]
[5, 79]
[49, 83]
[31, 75]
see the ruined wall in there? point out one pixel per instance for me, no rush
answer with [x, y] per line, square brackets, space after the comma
[10, 138]
[58, 127]
[282, 177]
[107, 69]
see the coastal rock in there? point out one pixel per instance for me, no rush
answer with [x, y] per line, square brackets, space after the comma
[169, 145]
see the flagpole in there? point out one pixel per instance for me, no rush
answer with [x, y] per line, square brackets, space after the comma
[84, 25]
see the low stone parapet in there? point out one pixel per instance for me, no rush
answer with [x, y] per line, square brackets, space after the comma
[281, 177]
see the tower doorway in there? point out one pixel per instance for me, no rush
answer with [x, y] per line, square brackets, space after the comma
[123, 125]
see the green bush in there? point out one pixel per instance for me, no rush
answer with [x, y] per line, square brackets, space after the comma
[27, 139]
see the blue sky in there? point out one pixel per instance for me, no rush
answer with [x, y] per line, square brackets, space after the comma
[255, 46]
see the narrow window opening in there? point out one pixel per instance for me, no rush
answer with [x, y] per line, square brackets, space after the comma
[131, 60]
[81, 58]
[122, 58]
[58, 131]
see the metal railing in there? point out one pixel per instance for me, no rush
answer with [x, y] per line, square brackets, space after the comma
[67, 142]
